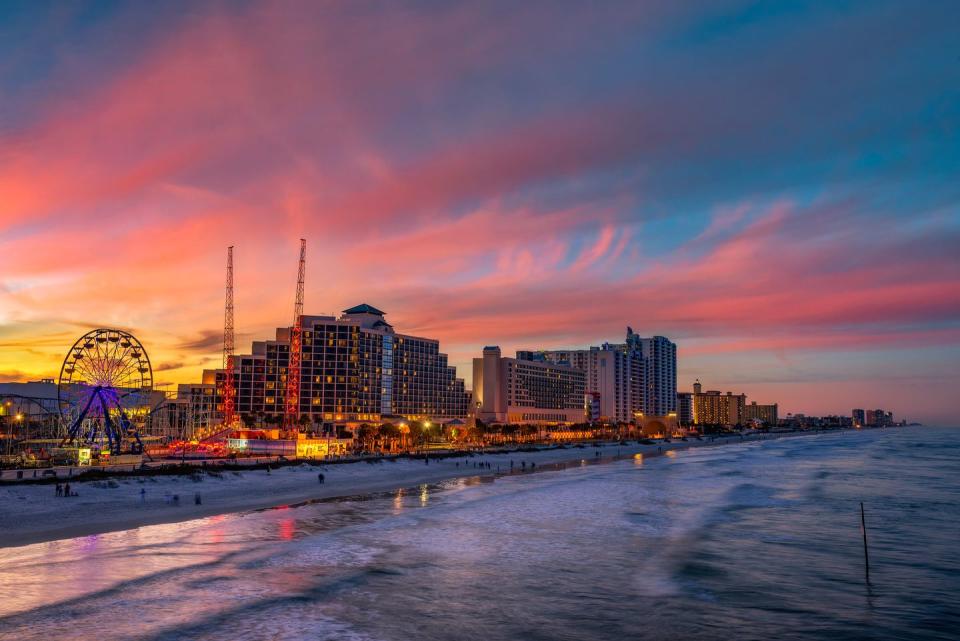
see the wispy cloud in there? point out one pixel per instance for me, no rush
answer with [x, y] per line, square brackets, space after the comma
[529, 175]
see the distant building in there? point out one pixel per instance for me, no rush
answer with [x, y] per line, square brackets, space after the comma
[859, 418]
[713, 408]
[685, 408]
[636, 377]
[33, 398]
[614, 377]
[878, 418]
[765, 414]
[832, 421]
[593, 407]
[660, 372]
[39, 404]
[521, 390]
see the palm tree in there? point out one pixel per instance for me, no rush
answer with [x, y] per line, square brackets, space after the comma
[366, 434]
[304, 421]
[416, 431]
[389, 433]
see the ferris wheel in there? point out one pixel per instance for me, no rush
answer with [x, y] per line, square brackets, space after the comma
[104, 389]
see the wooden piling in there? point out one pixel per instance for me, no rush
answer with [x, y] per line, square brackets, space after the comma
[866, 556]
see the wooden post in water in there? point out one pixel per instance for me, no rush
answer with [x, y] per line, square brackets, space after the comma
[863, 528]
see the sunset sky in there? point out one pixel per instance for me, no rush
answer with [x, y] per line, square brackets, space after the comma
[774, 186]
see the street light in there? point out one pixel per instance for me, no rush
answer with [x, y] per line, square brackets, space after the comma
[18, 418]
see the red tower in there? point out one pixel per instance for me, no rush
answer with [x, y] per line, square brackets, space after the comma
[291, 414]
[228, 393]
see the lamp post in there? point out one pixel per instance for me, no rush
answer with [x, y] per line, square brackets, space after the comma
[423, 437]
[6, 415]
[19, 418]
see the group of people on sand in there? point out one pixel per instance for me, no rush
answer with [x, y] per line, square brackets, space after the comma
[63, 489]
[481, 464]
[489, 466]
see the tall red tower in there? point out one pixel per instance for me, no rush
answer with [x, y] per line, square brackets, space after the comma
[291, 414]
[229, 391]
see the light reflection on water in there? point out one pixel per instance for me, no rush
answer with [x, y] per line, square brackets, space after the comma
[749, 541]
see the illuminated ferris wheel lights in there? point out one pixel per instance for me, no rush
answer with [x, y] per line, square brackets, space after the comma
[105, 380]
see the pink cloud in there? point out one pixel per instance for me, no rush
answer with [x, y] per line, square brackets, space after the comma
[118, 203]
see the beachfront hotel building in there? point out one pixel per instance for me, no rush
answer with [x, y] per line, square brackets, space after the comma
[685, 408]
[613, 377]
[635, 378]
[765, 414]
[196, 403]
[878, 418]
[659, 355]
[354, 368]
[713, 408]
[524, 391]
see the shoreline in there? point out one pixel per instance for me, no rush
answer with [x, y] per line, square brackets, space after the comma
[31, 514]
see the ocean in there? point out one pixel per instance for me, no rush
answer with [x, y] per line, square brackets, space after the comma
[742, 541]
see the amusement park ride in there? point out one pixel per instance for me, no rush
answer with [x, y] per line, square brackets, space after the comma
[291, 413]
[104, 391]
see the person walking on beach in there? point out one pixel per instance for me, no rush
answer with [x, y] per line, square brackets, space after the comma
[320, 478]
[66, 490]
[59, 490]
[143, 495]
[523, 465]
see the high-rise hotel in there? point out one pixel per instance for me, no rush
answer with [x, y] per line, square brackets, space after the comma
[638, 376]
[354, 368]
[613, 378]
[522, 390]
[659, 356]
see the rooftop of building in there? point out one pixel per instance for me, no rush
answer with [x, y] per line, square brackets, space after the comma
[364, 308]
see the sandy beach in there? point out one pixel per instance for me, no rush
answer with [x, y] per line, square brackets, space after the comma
[33, 514]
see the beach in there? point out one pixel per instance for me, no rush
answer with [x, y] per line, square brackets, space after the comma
[32, 513]
[755, 540]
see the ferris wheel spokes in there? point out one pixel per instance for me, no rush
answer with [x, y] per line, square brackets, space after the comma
[106, 375]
